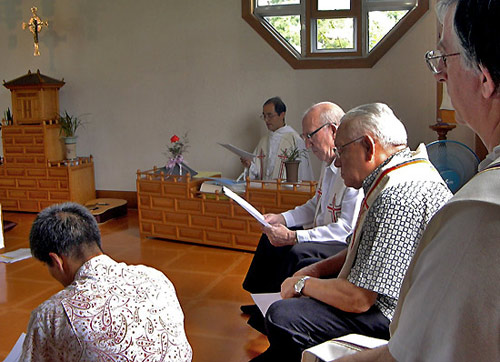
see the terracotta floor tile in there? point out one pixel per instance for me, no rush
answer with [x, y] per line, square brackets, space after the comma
[206, 260]
[13, 322]
[229, 289]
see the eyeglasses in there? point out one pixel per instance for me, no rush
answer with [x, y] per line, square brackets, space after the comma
[308, 136]
[265, 116]
[339, 150]
[436, 61]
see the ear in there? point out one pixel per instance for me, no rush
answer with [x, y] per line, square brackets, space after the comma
[334, 128]
[368, 144]
[488, 86]
[57, 261]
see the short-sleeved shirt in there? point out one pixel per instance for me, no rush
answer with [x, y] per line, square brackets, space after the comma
[391, 232]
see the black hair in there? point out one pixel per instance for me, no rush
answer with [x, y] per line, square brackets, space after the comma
[64, 229]
[279, 106]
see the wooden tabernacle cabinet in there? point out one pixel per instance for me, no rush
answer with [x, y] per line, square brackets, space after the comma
[33, 172]
[172, 207]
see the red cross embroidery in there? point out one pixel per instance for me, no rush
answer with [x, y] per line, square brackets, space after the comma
[261, 156]
[282, 165]
[334, 209]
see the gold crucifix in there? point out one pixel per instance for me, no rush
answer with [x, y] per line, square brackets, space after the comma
[35, 26]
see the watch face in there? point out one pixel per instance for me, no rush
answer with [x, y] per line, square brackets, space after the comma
[299, 286]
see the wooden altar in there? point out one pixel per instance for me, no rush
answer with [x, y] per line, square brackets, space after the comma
[172, 207]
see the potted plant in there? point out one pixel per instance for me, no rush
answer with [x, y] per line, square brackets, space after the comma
[69, 125]
[291, 159]
[7, 117]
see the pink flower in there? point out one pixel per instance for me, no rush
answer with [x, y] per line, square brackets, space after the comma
[174, 139]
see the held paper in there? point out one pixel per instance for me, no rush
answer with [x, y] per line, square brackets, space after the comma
[238, 151]
[244, 204]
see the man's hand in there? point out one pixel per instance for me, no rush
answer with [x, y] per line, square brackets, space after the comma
[245, 162]
[280, 235]
[274, 219]
[288, 287]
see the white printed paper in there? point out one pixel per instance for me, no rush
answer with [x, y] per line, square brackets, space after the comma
[244, 204]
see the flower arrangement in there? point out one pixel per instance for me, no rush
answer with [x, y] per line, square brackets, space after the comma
[176, 149]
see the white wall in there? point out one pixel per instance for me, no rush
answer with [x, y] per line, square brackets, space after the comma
[144, 70]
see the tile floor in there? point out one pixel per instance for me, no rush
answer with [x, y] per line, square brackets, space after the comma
[208, 282]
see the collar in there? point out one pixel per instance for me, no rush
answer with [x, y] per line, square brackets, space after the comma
[284, 129]
[90, 264]
[493, 157]
[404, 155]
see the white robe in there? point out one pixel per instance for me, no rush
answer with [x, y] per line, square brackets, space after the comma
[271, 146]
[331, 214]
[449, 305]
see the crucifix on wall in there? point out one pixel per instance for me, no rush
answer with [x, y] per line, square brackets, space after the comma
[35, 25]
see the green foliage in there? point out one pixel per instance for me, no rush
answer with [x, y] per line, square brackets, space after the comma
[335, 33]
[293, 153]
[288, 27]
[69, 124]
[8, 116]
[380, 23]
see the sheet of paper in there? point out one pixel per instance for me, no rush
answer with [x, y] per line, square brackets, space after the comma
[16, 255]
[244, 204]
[238, 151]
[264, 300]
[16, 351]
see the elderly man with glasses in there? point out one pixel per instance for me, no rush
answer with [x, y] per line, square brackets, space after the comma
[267, 164]
[402, 192]
[449, 305]
[328, 218]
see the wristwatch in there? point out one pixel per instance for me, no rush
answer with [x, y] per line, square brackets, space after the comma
[300, 285]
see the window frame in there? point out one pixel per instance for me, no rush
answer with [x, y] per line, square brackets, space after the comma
[311, 58]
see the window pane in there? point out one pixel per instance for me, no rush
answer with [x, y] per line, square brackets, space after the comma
[334, 4]
[380, 23]
[288, 27]
[276, 2]
[335, 33]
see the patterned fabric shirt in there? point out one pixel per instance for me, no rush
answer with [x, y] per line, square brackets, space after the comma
[111, 312]
[391, 232]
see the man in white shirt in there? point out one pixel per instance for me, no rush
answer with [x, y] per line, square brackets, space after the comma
[268, 165]
[328, 218]
[108, 311]
[449, 304]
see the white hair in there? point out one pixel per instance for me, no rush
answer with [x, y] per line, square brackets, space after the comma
[330, 112]
[377, 120]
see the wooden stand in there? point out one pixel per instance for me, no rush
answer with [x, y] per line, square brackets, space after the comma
[34, 174]
[172, 207]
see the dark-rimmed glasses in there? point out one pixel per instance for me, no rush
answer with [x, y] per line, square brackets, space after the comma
[339, 150]
[436, 60]
[308, 136]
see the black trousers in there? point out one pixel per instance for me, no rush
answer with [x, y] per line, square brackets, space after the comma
[299, 323]
[272, 265]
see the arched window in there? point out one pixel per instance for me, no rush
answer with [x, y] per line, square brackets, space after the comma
[332, 33]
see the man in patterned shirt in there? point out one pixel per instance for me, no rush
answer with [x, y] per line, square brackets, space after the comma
[108, 311]
[402, 193]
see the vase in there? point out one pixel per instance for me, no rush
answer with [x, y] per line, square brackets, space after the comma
[70, 144]
[292, 171]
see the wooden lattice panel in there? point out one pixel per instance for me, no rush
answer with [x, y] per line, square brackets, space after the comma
[171, 207]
